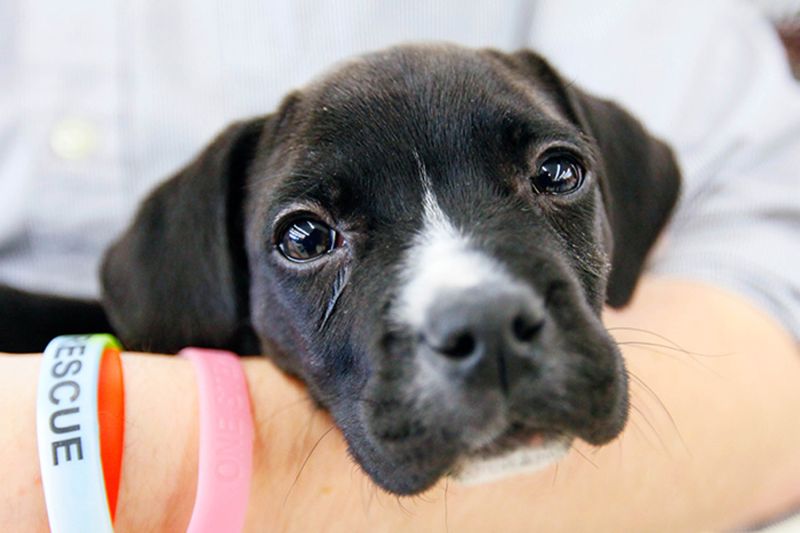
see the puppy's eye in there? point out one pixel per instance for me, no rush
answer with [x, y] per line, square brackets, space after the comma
[306, 239]
[558, 174]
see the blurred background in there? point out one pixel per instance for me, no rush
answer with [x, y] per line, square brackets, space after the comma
[785, 15]
[100, 101]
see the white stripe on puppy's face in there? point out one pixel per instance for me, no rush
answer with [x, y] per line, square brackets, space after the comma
[441, 260]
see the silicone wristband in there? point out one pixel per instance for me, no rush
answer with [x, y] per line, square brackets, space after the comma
[68, 434]
[226, 442]
[111, 418]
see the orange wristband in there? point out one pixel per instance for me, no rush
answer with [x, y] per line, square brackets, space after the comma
[111, 419]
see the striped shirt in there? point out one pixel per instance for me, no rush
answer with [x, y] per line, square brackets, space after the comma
[101, 100]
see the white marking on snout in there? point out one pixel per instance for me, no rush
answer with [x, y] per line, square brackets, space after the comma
[441, 260]
[516, 462]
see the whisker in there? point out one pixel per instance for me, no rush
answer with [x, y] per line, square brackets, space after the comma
[652, 428]
[673, 348]
[403, 507]
[641, 433]
[305, 462]
[283, 409]
[446, 519]
[673, 345]
[376, 494]
[585, 457]
[639, 381]
[369, 490]
[649, 332]
[676, 357]
[423, 497]
[310, 424]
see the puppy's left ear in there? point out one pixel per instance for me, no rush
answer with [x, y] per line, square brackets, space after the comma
[640, 186]
[640, 178]
[179, 276]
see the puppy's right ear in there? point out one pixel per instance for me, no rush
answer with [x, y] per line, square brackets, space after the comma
[640, 178]
[179, 276]
[641, 185]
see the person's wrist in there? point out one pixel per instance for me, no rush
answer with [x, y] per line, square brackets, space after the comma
[159, 471]
[162, 429]
[283, 415]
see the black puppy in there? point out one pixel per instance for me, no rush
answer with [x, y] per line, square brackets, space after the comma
[426, 236]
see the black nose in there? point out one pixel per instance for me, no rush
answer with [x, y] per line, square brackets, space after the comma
[489, 321]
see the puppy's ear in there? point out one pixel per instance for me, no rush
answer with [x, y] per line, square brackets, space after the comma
[640, 185]
[179, 276]
[640, 178]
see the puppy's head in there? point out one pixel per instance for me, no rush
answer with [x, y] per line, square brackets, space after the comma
[426, 236]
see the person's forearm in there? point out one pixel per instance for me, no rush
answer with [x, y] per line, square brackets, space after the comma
[730, 457]
[722, 451]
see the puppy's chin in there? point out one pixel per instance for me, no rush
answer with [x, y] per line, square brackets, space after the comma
[522, 460]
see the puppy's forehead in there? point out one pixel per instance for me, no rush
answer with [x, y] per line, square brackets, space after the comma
[369, 124]
[429, 87]
[419, 75]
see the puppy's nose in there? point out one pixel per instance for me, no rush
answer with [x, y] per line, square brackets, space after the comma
[487, 321]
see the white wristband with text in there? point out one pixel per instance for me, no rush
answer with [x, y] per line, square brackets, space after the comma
[68, 434]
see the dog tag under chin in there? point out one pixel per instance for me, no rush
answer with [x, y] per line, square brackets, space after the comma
[475, 471]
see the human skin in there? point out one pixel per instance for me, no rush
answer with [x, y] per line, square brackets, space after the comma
[712, 442]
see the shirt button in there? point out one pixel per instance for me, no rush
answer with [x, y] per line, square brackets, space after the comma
[73, 138]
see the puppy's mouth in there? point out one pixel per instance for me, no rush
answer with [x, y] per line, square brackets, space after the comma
[518, 450]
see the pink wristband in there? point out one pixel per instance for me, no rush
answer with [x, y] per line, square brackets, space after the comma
[226, 442]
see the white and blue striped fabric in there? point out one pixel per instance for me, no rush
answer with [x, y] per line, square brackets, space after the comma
[100, 100]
